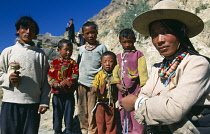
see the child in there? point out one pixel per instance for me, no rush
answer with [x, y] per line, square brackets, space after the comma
[129, 75]
[89, 59]
[23, 78]
[106, 94]
[62, 76]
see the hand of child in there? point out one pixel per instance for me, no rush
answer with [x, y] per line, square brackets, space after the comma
[56, 85]
[63, 85]
[93, 90]
[42, 109]
[14, 78]
[121, 89]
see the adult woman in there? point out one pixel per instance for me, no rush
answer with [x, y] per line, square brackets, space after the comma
[175, 97]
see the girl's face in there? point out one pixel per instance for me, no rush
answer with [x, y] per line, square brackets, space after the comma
[163, 40]
[90, 34]
[65, 51]
[127, 42]
[108, 63]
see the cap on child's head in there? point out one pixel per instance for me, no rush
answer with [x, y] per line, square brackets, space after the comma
[127, 33]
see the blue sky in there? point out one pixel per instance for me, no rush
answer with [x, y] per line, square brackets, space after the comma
[51, 15]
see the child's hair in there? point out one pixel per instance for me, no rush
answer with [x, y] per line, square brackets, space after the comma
[60, 43]
[108, 53]
[72, 19]
[127, 32]
[90, 23]
[25, 21]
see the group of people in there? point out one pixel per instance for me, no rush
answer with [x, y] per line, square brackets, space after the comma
[173, 99]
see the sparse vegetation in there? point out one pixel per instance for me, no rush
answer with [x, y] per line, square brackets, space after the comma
[201, 7]
[104, 33]
[125, 21]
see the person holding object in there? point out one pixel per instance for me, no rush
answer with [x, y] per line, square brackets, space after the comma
[175, 99]
[23, 78]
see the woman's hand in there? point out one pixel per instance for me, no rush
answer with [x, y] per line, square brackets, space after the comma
[128, 102]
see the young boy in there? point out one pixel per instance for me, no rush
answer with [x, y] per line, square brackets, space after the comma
[129, 75]
[62, 76]
[23, 78]
[89, 59]
[106, 93]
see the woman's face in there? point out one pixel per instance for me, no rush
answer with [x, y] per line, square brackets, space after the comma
[163, 40]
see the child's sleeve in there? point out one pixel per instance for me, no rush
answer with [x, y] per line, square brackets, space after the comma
[115, 72]
[73, 74]
[79, 55]
[142, 69]
[51, 74]
[96, 81]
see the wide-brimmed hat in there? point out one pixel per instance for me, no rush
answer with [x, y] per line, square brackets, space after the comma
[168, 9]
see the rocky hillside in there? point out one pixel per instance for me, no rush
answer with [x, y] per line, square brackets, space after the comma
[107, 23]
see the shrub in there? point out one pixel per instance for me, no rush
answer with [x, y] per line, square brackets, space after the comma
[126, 19]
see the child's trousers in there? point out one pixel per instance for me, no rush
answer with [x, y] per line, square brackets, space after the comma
[86, 103]
[106, 119]
[63, 106]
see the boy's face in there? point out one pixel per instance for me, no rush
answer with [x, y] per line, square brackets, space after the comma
[27, 33]
[127, 42]
[108, 63]
[90, 34]
[65, 51]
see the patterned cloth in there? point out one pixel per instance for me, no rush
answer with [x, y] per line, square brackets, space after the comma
[63, 70]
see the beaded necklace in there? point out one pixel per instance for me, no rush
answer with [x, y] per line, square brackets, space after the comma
[168, 69]
[89, 47]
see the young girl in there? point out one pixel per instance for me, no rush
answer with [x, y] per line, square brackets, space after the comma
[129, 75]
[62, 77]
